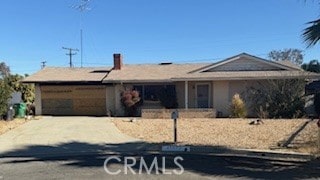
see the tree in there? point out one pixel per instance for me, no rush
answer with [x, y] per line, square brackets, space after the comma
[5, 91]
[5, 94]
[4, 70]
[278, 98]
[311, 34]
[27, 90]
[312, 66]
[293, 55]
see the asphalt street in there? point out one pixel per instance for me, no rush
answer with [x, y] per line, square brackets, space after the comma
[156, 166]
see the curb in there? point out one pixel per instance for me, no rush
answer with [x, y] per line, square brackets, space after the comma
[254, 153]
[258, 153]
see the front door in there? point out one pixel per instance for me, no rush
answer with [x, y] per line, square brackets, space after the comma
[202, 95]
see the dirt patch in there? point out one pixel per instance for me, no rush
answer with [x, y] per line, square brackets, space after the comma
[8, 125]
[234, 133]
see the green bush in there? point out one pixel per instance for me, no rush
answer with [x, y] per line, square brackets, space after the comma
[5, 94]
[279, 98]
[238, 107]
[27, 90]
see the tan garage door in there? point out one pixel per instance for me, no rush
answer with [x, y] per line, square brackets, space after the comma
[73, 100]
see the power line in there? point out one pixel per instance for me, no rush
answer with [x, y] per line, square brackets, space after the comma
[70, 54]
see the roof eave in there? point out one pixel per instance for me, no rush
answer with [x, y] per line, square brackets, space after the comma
[54, 81]
[244, 78]
[138, 81]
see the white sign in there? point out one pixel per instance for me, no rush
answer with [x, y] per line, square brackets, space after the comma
[176, 148]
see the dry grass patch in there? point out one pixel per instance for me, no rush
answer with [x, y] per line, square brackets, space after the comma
[236, 133]
[8, 125]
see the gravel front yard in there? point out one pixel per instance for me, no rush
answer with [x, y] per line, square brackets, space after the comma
[236, 133]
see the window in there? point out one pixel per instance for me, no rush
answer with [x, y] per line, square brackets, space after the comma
[151, 92]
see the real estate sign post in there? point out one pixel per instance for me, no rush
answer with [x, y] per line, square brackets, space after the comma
[175, 116]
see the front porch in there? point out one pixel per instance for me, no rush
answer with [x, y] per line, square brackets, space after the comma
[193, 98]
[197, 99]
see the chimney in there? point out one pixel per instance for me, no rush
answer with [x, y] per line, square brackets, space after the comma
[117, 61]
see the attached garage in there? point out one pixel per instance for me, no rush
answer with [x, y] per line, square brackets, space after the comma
[71, 91]
[73, 100]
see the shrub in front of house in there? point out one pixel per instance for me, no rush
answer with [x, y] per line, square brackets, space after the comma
[131, 101]
[238, 107]
[5, 94]
[278, 98]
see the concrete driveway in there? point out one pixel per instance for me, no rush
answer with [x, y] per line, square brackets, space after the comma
[62, 135]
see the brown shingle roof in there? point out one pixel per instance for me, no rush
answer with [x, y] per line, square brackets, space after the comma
[289, 64]
[63, 74]
[161, 73]
[150, 72]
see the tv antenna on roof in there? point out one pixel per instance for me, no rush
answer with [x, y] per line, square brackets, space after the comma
[82, 7]
[43, 64]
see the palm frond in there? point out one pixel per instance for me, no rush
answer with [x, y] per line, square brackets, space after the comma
[311, 34]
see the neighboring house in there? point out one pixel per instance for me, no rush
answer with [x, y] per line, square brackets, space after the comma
[96, 91]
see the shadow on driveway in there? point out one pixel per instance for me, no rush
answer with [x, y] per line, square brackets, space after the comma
[94, 155]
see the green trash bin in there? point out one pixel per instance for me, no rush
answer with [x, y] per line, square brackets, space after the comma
[22, 110]
[16, 109]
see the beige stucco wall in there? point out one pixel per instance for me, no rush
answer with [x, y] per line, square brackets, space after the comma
[241, 87]
[110, 99]
[118, 88]
[221, 93]
[237, 87]
[221, 97]
[37, 100]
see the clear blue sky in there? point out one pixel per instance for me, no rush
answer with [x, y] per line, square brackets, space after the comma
[150, 31]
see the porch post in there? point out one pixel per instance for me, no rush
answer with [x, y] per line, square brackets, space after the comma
[186, 94]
